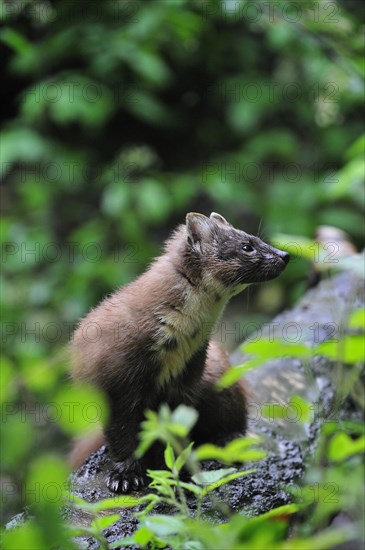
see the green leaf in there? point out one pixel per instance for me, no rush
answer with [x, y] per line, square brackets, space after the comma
[206, 478]
[154, 201]
[235, 373]
[266, 349]
[143, 536]
[349, 182]
[225, 480]
[160, 474]
[151, 67]
[178, 429]
[126, 541]
[148, 108]
[115, 199]
[274, 410]
[104, 522]
[164, 489]
[185, 416]
[193, 545]
[47, 475]
[25, 537]
[7, 383]
[40, 377]
[146, 442]
[183, 457]
[304, 408]
[15, 40]
[161, 525]
[80, 409]
[286, 509]
[357, 148]
[298, 410]
[350, 349]
[191, 487]
[169, 456]
[17, 436]
[72, 98]
[22, 144]
[319, 253]
[357, 319]
[122, 501]
[238, 450]
[342, 446]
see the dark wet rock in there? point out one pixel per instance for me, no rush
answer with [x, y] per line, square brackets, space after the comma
[319, 316]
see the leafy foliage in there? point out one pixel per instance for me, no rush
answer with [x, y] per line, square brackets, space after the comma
[341, 446]
[121, 117]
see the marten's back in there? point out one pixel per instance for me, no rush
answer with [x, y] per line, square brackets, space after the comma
[121, 327]
[159, 321]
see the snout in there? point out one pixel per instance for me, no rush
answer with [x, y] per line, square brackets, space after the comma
[285, 256]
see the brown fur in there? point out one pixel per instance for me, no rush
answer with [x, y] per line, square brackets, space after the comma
[148, 343]
[217, 363]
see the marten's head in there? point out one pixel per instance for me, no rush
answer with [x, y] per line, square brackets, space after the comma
[228, 257]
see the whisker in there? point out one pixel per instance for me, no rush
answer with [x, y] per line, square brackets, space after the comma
[259, 227]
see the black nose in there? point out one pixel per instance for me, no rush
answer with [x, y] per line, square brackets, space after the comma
[285, 256]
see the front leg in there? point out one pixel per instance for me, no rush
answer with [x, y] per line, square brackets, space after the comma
[127, 473]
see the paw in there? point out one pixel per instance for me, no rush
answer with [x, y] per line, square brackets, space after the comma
[126, 476]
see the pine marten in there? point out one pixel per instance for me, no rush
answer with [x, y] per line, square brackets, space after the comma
[154, 344]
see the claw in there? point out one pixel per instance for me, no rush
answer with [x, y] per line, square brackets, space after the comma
[125, 477]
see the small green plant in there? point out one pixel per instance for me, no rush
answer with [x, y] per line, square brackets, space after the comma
[167, 486]
[330, 486]
[99, 523]
[172, 428]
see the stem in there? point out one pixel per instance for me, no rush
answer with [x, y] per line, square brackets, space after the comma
[181, 494]
[199, 502]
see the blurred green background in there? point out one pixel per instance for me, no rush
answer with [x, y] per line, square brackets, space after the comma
[122, 116]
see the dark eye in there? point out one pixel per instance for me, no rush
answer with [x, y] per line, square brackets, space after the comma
[248, 248]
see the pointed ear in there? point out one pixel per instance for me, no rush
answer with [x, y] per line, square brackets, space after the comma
[219, 219]
[199, 229]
